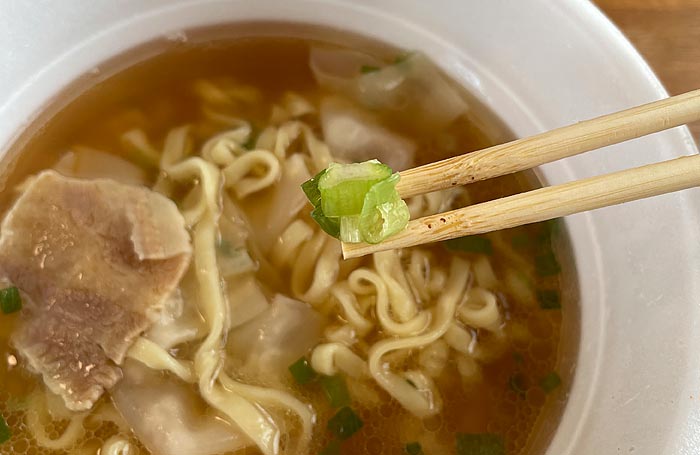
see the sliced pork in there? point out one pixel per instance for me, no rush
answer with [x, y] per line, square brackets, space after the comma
[95, 260]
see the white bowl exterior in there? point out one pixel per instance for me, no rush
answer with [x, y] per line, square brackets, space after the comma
[538, 64]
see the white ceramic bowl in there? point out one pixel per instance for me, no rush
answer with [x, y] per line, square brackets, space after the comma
[538, 64]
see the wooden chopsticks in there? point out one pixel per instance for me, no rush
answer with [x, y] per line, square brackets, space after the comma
[549, 202]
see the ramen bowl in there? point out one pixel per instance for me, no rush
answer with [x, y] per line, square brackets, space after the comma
[537, 65]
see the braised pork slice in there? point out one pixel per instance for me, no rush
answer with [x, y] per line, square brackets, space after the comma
[96, 260]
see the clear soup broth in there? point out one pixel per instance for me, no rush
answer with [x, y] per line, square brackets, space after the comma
[492, 378]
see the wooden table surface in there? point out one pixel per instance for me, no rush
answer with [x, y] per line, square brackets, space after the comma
[667, 34]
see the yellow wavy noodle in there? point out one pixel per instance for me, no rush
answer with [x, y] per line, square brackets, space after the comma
[38, 420]
[396, 321]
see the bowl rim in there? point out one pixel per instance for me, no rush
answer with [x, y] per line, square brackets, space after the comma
[513, 100]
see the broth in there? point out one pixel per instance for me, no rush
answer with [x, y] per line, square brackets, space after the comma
[517, 395]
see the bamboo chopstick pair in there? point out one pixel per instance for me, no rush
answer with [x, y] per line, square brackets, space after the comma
[554, 201]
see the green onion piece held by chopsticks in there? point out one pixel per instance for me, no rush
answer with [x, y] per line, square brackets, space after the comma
[344, 423]
[302, 371]
[10, 300]
[5, 433]
[350, 229]
[336, 391]
[480, 444]
[310, 189]
[384, 213]
[343, 186]
[330, 225]
[357, 202]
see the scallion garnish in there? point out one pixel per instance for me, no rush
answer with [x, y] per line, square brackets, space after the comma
[384, 213]
[330, 225]
[357, 202]
[518, 358]
[549, 230]
[333, 448]
[336, 391]
[252, 139]
[518, 384]
[553, 226]
[344, 423]
[413, 448]
[520, 241]
[364, 69]
[5, 433]
[470, 244]
[343, 186]
[549, 299]
[310, 189]
[402, 57]
[546, 264]
[302, 371]
[550, 382]
[350, 229]
[10, 300]
[480, 444]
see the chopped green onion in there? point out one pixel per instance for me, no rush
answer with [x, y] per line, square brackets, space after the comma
[344, 423]
[525, 279]
[252, 139]
[357, 202]
[549, 230]
[384, 213]
[550, 382]
[364, 69]
[310, 188]
[554, 226]
[350, 229]
[521, 241]
[518, 357]
[5, 433]
[331, 449]
[10, 300]
[330, 225]
[302, 371]
[546, 264]
[518, 384]
[343, 186]
[336, 391]
[470, 244]
[413, 448]
[403, 57]
[549, 299]
[480, 444]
